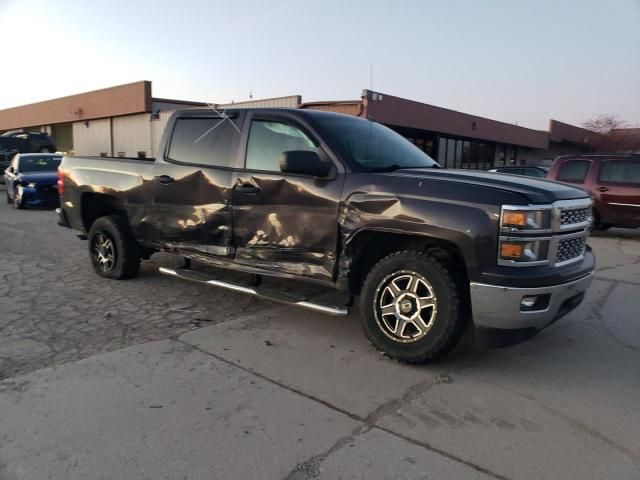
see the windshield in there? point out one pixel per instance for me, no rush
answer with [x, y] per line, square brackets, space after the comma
[39, 164]
[372, 145]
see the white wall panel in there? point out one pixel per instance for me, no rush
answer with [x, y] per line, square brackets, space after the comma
[93, 139]
[132, 134]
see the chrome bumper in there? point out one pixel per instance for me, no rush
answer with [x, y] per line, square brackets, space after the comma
[496, 306]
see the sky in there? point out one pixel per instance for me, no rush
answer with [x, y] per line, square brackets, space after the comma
[521, 61]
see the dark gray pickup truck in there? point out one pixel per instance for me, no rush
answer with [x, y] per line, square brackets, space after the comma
[343, 202]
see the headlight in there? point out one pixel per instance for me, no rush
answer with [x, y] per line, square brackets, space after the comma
[518, 219]
[32, 185]
[523, 251]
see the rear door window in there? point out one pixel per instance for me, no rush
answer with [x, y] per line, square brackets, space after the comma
[620, 171]
[203, 141]
[574, 171]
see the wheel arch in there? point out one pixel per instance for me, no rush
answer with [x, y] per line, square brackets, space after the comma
[365, 248]
[95, 205]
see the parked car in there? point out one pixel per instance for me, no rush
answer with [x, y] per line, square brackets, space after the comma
[27, 142]
[31, 180]
[527, 171]
[12, 143]
[343, 202]
[613, 181]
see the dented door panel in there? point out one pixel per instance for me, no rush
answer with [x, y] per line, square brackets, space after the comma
[289, 224]
[193, 211]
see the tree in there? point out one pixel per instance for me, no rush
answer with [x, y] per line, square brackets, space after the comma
[603, 124]
[614, 135]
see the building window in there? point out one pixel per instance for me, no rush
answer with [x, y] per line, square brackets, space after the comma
[485, 156]
[442, 152]
[451, 153]
[458, 163]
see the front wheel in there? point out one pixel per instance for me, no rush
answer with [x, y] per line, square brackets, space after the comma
[410, 308]
[17, 199]
[113, 250]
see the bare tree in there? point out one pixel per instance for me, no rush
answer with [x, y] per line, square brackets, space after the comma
[603, 124]
[614, 135]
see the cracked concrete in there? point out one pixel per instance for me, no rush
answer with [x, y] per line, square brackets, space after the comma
[110, 379]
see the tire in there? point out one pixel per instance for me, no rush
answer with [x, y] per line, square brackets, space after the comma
[113, 251]
[437, 328]
[598, 225]
[17, 200]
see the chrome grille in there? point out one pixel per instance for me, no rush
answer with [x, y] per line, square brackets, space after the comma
[570, 249]
[575, 215]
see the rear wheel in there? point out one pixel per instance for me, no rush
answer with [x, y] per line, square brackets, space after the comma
[410, 308]
[113, 250]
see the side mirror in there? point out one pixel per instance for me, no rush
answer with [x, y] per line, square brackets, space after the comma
[10, 169]
[304, 162]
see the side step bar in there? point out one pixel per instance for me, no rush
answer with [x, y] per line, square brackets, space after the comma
[274, 295]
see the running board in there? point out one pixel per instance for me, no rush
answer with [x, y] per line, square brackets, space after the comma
[274, 295]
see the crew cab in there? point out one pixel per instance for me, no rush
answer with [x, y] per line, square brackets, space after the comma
[347, 203]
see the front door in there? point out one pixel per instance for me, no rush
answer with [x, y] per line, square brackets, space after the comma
[191, 208]
[285, 222]
[617, 185]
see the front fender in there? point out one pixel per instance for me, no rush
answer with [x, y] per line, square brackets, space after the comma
[470, 227]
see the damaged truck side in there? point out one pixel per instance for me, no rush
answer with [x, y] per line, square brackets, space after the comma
[345, 202]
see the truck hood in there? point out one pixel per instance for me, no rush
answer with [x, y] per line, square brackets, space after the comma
[41, 178]
[533, 189]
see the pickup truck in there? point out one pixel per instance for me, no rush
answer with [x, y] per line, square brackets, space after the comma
[423, 252]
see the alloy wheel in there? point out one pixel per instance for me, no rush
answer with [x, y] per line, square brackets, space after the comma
[405, 306]
[104, 252]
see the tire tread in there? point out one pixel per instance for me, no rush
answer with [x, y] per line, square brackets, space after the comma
[128, 265]
[454, 329]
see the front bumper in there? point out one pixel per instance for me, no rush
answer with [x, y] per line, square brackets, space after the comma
[33, 197]
[496, 306]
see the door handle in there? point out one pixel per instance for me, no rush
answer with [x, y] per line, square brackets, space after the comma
[247, 189]
[164, 179]
[602, 189]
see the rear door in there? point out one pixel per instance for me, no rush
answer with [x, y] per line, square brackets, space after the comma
[191, 188]
[618, 187]
[285, 222]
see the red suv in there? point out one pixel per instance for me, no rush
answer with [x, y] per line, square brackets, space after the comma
[613, 181]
